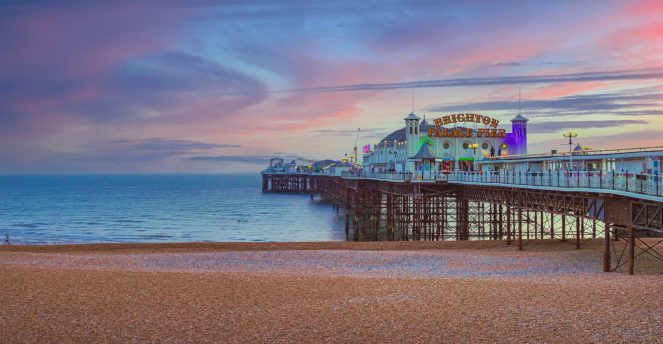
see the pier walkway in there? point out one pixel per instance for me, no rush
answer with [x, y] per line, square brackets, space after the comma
[648, 187]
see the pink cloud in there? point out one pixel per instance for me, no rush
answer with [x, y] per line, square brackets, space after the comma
[59, 55]
[562, 90]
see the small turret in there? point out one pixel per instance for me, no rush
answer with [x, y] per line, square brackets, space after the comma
[519, 130]
[412, 133]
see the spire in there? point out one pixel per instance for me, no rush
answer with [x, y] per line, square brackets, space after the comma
[520, 118]
[413, 100]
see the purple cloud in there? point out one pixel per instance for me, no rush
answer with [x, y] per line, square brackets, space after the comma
[636, 74]
[83, 83]
[627, 103]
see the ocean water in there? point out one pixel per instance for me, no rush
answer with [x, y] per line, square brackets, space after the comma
[53, 209]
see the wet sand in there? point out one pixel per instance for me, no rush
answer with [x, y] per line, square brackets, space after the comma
[323, 292]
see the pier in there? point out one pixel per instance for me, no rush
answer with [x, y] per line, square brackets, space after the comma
[513, 206]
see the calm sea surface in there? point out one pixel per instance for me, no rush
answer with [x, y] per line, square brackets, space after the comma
[158, 208]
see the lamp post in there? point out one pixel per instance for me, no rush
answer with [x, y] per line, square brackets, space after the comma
[474, 147]
[570, 135]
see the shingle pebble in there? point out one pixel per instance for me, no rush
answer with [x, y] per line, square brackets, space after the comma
[464, 295]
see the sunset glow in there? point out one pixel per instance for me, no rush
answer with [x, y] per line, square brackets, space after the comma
[208, 86]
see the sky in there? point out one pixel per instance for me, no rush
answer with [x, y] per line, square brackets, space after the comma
[222, 86]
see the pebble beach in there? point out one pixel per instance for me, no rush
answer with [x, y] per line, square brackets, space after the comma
[324, 292]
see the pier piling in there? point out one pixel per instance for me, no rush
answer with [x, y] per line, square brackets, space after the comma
[407, 210]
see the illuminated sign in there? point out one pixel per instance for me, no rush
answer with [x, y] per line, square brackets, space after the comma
[466, 117]
[440, 131]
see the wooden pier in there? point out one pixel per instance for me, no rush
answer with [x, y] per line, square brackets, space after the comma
[407, 210]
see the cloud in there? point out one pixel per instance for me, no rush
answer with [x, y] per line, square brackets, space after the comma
[180, 71]
[632, 74]
[591, 104]
[159, 144]
[248, 159]
[170, 85]
[373, 132]
[53, 55]
[644, 138]
[508, 64]
[141, 151]
[83, 83]
[553, 127]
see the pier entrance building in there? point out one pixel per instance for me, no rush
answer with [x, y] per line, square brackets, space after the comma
[449, 143]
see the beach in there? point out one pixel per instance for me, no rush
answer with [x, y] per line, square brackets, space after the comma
[482, 291]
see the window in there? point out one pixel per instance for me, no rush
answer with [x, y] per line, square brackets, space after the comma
[484, 145]
[466, 145]
[411, 131]
[446, 145]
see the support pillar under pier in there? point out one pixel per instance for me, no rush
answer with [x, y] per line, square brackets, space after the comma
[520, 228]
[578, 232]
[606, 250]
[508, 225]
[631, 251]
[500, 226]
[347, 224]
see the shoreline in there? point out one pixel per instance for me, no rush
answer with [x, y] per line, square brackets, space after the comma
[500, 245]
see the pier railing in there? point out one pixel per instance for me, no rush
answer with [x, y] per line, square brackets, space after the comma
[422, 176]
[645, 184]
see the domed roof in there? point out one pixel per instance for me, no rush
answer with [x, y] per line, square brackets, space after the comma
[577, 148]
[412, 116]
[388, 141]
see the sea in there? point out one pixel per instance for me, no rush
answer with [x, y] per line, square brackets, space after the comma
[62, 209]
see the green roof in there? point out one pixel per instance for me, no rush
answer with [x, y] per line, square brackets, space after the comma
[424, 153]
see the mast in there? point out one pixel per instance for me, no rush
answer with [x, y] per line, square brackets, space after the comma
[413, 100]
